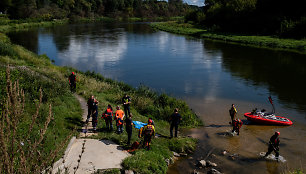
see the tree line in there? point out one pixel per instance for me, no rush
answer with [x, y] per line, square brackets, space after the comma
[58, 9]
[273, 17]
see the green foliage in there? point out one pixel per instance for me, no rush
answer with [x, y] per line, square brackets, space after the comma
[262, 41]
[272, 17]
[60, 9]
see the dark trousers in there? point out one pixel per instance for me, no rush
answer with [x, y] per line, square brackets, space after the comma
[175, 126]
[127, 110]
[270, 149]
[236, 129]
[109, 123]
[129, 132]
[147, 141]
[232, 118]
[94, 120]
[72, 87]
[119, 128]
[90, 111]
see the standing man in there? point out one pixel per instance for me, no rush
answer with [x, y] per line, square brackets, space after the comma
[274, 145]
[90, 105]
[119, 119]
[95, 115]
[148, 131]
[108, 116]
[175, 120]
[126, 101]
[233, 112]
[129, 127]
[72, 82]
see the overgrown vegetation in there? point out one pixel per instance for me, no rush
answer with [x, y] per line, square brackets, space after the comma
[33, 133]
[54, 9]
[262, 41]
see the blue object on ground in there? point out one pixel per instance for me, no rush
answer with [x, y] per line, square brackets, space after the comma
[138, 124]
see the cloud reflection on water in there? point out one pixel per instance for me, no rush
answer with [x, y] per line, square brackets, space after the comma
[93, 54]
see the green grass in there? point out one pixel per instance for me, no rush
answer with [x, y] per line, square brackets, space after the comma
[34, 72]
[261, 41]
[12, 25]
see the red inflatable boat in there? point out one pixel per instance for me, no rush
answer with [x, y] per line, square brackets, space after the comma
[268, 119]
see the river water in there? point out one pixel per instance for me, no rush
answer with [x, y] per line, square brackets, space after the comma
[209, 75]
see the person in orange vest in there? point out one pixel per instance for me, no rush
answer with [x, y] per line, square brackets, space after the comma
[72, 82]
[119, 115]
[108, 117]
[147, 132]
[237, 125]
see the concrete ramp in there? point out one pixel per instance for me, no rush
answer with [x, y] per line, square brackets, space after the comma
[88, 155]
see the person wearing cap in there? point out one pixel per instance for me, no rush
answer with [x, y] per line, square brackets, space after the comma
[175, 120]
[72, 82]
[148, 131]
[274, 144]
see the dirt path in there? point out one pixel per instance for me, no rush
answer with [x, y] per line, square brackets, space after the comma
[84, 155]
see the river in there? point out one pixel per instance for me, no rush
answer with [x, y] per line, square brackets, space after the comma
[208, 75]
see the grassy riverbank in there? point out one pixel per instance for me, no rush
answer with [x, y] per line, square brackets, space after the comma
[35, 72]
[261, 41]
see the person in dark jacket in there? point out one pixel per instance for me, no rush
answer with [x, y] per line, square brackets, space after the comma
[95, 115]
[175, 119]
[108, 116]
[129, 127]
[72, 82]
[274, 145]
[90, 105]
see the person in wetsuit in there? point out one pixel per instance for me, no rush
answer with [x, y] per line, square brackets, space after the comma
[274, 145]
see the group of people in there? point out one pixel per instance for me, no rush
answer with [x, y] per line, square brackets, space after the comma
[237, 123]
[147, 131]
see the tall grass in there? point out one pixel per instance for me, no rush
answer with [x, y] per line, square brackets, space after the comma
[22, 151]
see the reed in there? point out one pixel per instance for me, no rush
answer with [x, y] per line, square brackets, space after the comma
[23, 153]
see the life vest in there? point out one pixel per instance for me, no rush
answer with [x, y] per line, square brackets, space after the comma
[119, 117]
[237, 123]
[109, 112]
[148, 130]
